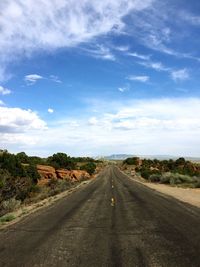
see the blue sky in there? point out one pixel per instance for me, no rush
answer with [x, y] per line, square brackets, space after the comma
[97, 78]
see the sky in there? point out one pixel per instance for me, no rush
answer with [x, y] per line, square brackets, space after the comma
[90, 77]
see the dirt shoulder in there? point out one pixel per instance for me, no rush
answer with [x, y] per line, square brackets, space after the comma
[187, 195]
[26, 210]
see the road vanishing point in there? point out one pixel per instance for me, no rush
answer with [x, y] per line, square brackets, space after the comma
[112, 221]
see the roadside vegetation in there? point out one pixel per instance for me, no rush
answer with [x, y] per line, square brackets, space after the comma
[178, 172]
[20, 180]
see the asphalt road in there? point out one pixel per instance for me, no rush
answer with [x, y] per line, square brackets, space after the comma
[113, 221]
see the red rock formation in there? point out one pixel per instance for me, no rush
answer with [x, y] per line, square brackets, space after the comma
[63, 174]
[74, 175]
[46, 172]
[80, 175]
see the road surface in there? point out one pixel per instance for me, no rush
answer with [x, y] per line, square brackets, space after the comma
[113, 221]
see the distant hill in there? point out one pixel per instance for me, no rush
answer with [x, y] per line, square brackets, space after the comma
[160, 157]
[115, 157]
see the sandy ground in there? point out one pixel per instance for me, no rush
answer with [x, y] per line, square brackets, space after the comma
[25, 210]
[188, 195]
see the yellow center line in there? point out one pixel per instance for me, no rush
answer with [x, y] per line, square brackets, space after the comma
[112, 202]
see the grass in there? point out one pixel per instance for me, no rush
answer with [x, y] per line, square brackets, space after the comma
[7, 218]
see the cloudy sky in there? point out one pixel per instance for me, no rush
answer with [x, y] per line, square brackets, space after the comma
[90, 77]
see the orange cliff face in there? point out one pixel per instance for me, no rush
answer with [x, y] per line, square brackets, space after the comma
[48, 173]
[74, 175]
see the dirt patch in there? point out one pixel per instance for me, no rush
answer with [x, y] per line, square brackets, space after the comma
[188, 195]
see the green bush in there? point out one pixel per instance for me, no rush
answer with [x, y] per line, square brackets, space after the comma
[145, 173]
[61, 160]
[12, 164]
[89, 167]
[131, 161]
[31, 172]
[11, 204]
[165, 178]
[22, 157]
[155, 178]
[7, 218]
[197, 184]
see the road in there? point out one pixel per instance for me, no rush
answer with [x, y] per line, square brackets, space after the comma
[112, 221]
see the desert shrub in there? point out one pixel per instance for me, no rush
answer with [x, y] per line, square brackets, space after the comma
[61, 160]
[155, 178]
[131, 161]
[180, 161]
[12, 164]
[35, 188]
[7, 218]
[90, 167]
[176, 178]
[22, 157]
[145, 173]
[64, 185]
[4, 175]
[11, 204]
[165, 178]
[31, 172]
[137, 169]
[197, 184]
[37, 160]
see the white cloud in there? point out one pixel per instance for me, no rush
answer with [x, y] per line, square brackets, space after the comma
[32, 78]
[175, 74]
[122, 48]
[151, 126]
[180, 75]
[17, 120]
[158, 66]
[191, 18]
[122, 89]
[93, 121]
[100, 51]
[55, 79]
[4, 91]
[140, 56]
[153, 29]
[26, 28]
[2, 103]
[50, 110]
[142, 78]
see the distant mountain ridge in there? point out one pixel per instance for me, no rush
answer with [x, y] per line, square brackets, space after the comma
[159, 157]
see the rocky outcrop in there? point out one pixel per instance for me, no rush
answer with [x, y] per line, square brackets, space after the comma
[80, 175]
[63, 174]
[74, 175]
[47, 173]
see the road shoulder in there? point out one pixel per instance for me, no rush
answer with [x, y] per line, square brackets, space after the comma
[188, 195]
[26, 210]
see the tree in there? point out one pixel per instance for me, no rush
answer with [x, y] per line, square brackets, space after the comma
[131, 161]
[61, 160]
[11, 163]
[180, 161]
[22, 157]
[31, 172]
